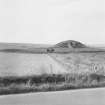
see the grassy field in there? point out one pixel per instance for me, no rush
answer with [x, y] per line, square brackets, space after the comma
[23, 68]
[42, 83]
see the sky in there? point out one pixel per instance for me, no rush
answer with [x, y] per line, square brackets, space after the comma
[52, 21]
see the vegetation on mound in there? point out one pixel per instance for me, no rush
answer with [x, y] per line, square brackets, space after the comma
[11, 85]
[70, 44]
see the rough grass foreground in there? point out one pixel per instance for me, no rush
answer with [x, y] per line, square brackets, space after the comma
[13, 85]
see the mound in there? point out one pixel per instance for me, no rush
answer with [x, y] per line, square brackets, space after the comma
[70, 44]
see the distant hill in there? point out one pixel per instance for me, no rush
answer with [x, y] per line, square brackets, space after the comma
[22, 45]
[70, 44]
[62, 47]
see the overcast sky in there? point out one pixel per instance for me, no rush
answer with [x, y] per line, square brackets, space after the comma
[52, 21]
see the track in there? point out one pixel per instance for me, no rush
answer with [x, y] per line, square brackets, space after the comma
[59, 62]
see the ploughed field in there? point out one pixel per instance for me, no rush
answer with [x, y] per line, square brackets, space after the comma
[26, 72]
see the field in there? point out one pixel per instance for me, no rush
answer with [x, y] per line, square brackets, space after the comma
[23, 72]
[27, 68]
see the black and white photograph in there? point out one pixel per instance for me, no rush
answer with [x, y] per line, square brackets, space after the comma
[52, 52]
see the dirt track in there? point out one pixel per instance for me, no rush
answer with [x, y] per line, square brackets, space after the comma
[71, 97]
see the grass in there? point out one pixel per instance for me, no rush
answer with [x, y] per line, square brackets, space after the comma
[13, 85]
